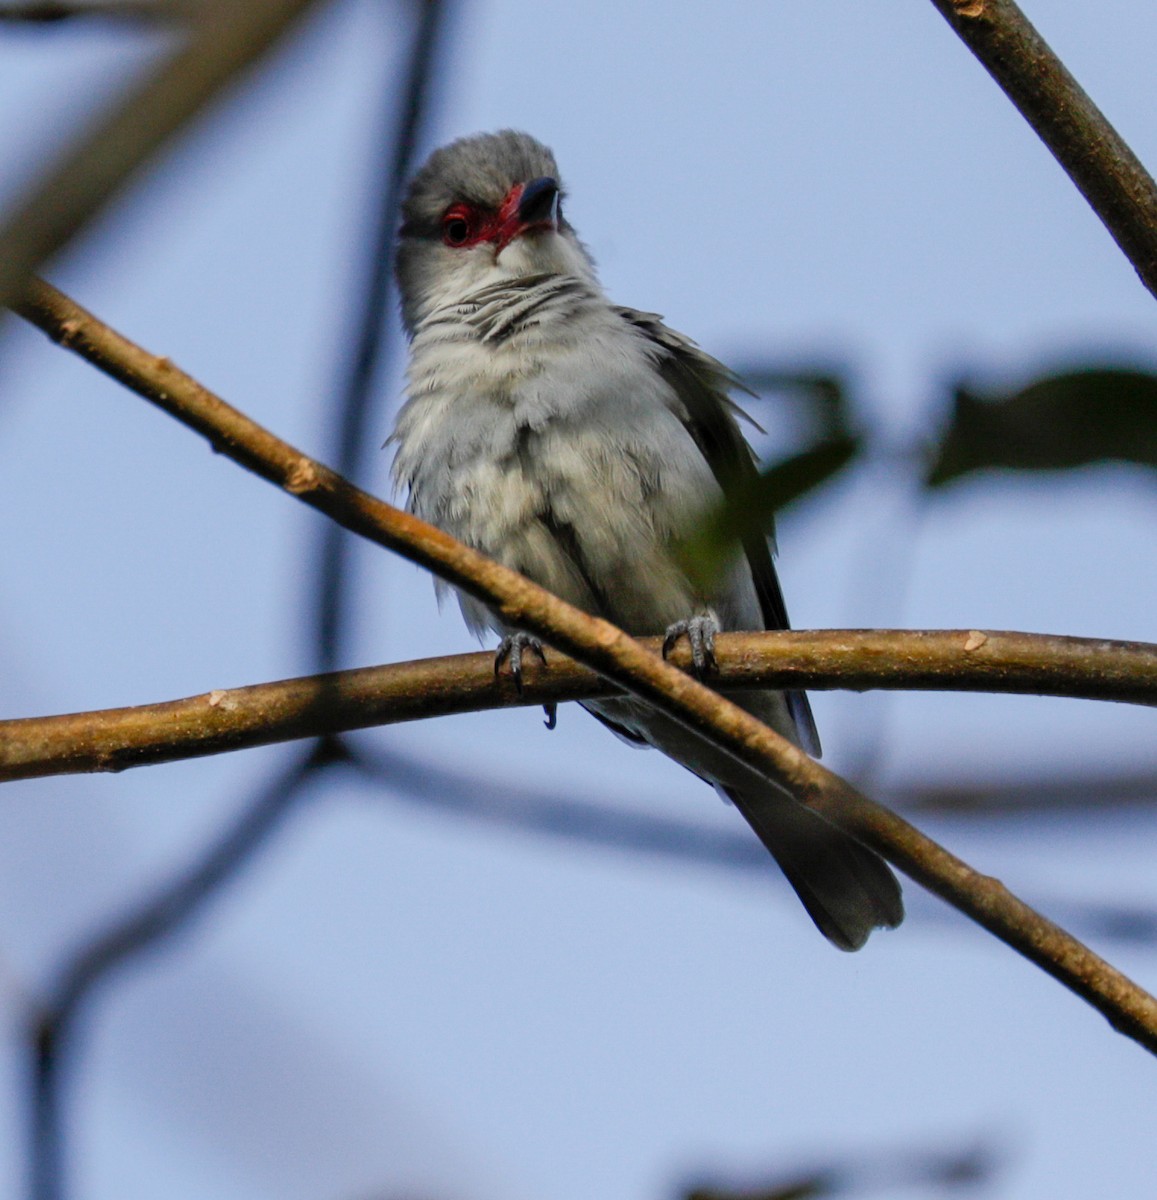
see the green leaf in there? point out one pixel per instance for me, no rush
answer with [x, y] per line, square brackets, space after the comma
[1059, 422]
[750, 508]
[823, 393]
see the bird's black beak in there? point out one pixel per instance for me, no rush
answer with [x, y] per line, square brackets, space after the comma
[527, 207]
[538, 204]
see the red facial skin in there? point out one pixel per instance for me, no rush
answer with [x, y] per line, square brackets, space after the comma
[466, 225]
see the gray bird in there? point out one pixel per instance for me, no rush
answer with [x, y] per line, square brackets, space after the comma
[576, 442]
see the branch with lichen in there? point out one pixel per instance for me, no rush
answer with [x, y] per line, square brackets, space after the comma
[610, 653]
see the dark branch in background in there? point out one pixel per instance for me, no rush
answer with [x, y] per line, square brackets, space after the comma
[571, 818]
[90, 174]
[323, 705]
[972, 1167]
[81, 185]
[162, 916]
[598, 644]
[619, 826]
[67, 197]
[142, 12]
[1027, 797]
[1109, 175]
[365, 361]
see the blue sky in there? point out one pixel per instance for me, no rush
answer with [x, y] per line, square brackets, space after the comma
[394, 1001]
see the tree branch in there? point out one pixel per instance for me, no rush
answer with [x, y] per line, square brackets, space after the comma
[155, 919]
[1106, 171]
[230, 38]
[319, 705]
[366, 357]
[994, 798]
[52, 12]
[609, 651]
[618, 824]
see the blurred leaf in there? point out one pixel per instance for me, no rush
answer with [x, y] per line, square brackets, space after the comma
[1056, 423]
[823, 393]
[972, 1168]
[750, 508]
[754, 505]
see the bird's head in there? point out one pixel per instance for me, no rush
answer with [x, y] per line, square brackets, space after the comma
[482, 210]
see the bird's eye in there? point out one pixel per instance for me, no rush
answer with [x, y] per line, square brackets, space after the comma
[457, 225]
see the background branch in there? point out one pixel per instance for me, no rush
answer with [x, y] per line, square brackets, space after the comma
[618, 825]
[365, 358]
[612, 653]
[230, 38]
[54, 12]
[1107, 172]
[1020, 797]
[179, 901]
[932, 1169]
[323, 705]
[156, 918]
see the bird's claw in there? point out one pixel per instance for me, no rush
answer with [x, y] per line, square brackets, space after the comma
[700, 632]
[511, 649]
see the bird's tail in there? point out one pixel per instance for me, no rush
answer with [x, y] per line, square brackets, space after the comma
[847, 889]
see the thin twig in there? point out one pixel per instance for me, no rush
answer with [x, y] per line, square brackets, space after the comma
[1107, 172]
[69, 195]
[609, 651]
[322, 705]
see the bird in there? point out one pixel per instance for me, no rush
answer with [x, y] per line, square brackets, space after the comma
[578, 442]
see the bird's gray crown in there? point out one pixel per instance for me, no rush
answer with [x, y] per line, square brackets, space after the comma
[477, 170]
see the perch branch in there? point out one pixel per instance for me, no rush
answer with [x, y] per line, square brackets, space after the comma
[317, 705]
[608, 650]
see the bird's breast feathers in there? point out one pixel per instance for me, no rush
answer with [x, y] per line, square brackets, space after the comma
[558, 449]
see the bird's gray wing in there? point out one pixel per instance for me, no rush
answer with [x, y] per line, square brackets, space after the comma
[702, 384]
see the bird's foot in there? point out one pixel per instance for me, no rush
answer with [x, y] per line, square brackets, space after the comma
[700, 631]
[511, 649]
